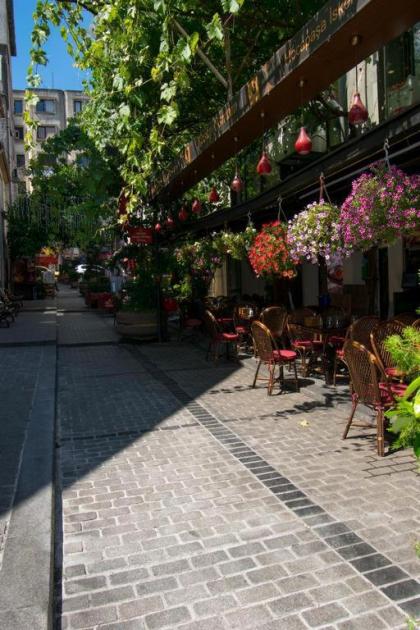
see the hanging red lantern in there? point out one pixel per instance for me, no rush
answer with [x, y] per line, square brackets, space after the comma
[264, 166]
[213, 195]
[158, 227]
[358, 113]
[169, 223]
[196, 206]
[236, 184]
[303, 144]
[182, 214]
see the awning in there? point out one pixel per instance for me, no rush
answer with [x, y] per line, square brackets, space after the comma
[319, 53]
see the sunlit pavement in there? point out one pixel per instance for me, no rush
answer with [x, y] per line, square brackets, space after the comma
[191, 501]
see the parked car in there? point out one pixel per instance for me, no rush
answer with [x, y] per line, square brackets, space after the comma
[81, 269]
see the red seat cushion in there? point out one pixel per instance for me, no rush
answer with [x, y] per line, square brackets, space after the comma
[393, 372]
[302, 343]
[225, 320]
[241, 330]
[340, 354]
[397, 389]
[193, 323]
[284, 355]
[225, 336]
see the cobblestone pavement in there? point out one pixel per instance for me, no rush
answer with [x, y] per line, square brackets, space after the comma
[191, 501]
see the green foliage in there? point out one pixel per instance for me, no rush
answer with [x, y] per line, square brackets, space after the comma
[149, 91]
[405, 419]
[405, 350]
[141, 294]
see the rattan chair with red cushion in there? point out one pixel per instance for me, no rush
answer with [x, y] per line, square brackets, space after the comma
[359, 331]
[302, 341]
[275, 318]
[369, 386]
[218, 338]
[406, 319]
[272, 357]
[377, 337]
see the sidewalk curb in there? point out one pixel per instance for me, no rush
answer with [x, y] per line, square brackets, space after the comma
[26, 579]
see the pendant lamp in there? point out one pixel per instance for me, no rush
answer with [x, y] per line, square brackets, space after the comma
[213, 195]
[358, 113]
[264, 165]
[303, 144]
[196, 206]
[182, 214]
[158, 227]
[236, 184]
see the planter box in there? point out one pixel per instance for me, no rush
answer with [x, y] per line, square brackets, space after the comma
[137, 325]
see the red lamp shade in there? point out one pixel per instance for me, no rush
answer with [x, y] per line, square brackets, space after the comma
[358, 113]
[182, 214]
[169, 223]
[264, 166]
[303, 144]
[158, 227]
[236, 184]
[196, 206]
[213, 195]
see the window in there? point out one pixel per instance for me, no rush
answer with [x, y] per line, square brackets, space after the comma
[18, 106]
[77, 107]
[46, 106]
[20, 160]
[19, 133]
[43, 132]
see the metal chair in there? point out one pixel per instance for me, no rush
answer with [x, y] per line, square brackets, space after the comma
[271, 356]
[369, 386]
[243, 315]
[378, 336]
[218, 338]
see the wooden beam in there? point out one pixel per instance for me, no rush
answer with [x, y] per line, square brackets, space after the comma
[319, 53]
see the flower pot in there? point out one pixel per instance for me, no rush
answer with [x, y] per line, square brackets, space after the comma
[137, 324]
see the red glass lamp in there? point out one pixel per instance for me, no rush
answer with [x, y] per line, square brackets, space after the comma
[264, 165]
[213, 195]
[303, 144]
[358, 113]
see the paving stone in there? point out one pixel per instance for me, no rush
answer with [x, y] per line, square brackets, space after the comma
[364, 622]
[140, 607]
[167, 618]
[214, 605]
[248, 617]
[93, 617]
[290, 603]
[324, 614]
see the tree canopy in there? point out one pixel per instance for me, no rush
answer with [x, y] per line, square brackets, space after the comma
[158, 70]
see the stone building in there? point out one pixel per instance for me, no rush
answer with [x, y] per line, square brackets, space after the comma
[7, 132]
[53, 111]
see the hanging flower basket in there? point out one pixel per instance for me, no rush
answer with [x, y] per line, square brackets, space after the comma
[384, 205]
[269, 254]
[235, 244]
[315, 232]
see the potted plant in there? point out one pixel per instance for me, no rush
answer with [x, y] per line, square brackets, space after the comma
[137, 316]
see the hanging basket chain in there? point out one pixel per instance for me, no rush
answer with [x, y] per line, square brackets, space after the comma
[323, 189]
[386, 151]
[281, 213]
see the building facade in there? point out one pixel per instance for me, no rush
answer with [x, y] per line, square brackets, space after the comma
[53, 111]
[7, 133]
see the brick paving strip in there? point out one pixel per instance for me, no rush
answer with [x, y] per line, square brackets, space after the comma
[396, 584]
[172, 521]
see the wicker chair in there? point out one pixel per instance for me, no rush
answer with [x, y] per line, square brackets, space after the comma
[275, 318]
[303, 341]
[416, 324]
[218, 338]
[359, 331]
[370, 387]
[377, 337]
[405, 319]
[271, 356]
